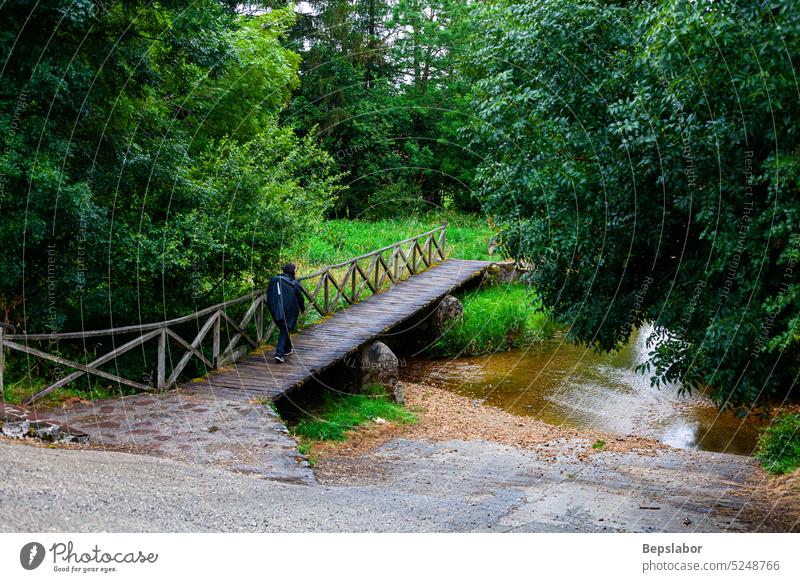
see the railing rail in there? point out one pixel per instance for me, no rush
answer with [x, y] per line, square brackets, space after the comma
[326, 290]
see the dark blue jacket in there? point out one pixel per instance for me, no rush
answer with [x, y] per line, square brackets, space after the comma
[285, 299]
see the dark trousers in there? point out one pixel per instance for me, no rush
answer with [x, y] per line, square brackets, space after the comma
[284, 341]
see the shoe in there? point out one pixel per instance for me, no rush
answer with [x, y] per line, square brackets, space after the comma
[279, 359]
[289, 353]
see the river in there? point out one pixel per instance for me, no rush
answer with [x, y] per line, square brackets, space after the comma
[563, 384]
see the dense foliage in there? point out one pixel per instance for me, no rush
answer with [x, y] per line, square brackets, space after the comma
[379, 83]
[779, 444]
[642, 156]
[144, 172]
[645, 158]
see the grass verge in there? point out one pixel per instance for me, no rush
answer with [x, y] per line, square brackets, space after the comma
[495, 319]
[17, 392]
[779, 445]
[340, 413]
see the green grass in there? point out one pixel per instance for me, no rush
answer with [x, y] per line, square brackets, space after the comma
[306, 449]
[779, 445]
[599, 444]
[495, 319]
[340, 239]
[335, 241]
[343, 412]
[17, 392]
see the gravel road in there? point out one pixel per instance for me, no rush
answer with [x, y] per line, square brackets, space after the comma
[404, 485]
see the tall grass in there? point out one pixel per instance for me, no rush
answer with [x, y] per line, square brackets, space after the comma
[496, 319]
[335, 241]
[779, 445]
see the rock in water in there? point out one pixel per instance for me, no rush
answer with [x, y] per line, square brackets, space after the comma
[379, 365]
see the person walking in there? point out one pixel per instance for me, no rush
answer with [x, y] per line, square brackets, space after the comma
[285, 303]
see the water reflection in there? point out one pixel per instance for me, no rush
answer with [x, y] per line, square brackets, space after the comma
[568, 385]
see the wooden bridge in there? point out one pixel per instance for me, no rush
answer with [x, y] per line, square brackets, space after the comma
[357, 300]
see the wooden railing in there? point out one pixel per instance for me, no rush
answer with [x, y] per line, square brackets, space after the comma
[326, 290]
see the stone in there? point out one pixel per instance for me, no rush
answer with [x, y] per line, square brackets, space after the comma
[17, 430]
[502, 273]
[22, 422]
[449, 309]
[380, 366]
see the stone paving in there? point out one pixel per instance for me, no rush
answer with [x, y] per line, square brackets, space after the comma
[244, 436]
[25, 422]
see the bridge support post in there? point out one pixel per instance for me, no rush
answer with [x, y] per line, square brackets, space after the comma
[260, 321]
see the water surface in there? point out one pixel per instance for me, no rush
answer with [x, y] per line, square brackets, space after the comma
[563, 384]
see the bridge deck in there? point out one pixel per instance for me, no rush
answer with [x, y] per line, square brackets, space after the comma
[320, 346]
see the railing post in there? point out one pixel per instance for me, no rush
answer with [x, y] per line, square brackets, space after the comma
[260, 319]
[215, 339]
[353, 284]
[161, 377]
[325, 307]
[442, 238]
[2, 360]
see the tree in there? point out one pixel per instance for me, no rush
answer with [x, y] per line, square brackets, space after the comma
[380, 84]
[144, 171]
[644, 157]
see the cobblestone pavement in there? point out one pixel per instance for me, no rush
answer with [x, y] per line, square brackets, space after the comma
[23, 422]
[243, 436]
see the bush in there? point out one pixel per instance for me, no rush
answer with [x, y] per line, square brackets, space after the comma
[779, 445]
[496, 318]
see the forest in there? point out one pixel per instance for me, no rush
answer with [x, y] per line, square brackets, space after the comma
[641, 157]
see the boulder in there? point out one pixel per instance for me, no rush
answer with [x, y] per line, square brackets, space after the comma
[502, 273]
[449, 309]
[380, 366]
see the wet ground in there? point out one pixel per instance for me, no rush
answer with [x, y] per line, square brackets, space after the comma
[563, 384]
[214, 465]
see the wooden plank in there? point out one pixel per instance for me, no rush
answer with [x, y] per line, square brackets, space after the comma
[239, 333]
[323, 344]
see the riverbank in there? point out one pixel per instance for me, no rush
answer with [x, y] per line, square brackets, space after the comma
[443, 416]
